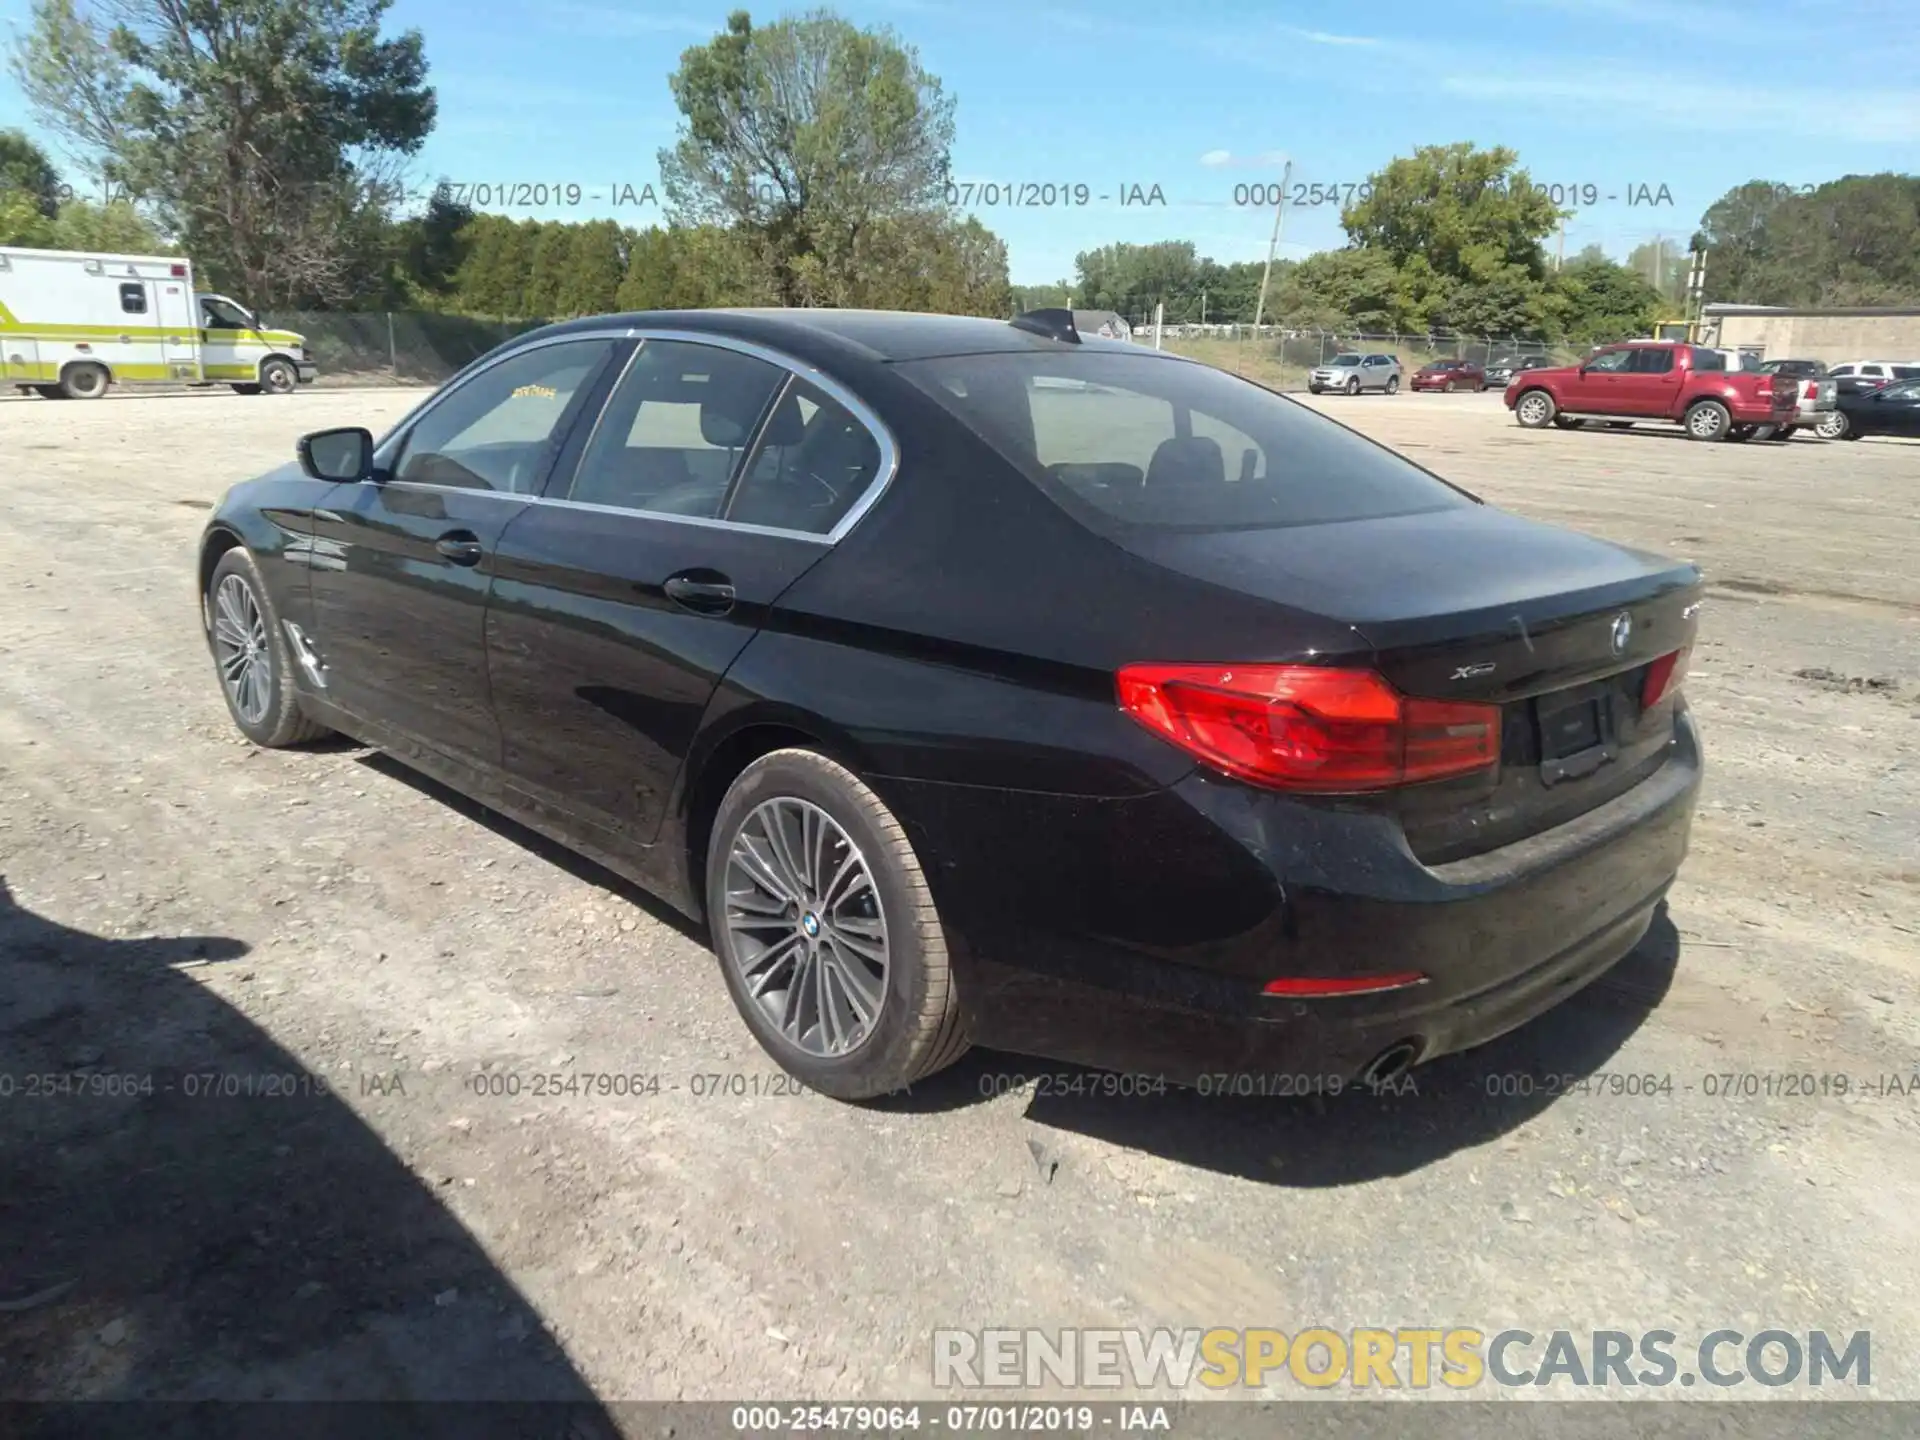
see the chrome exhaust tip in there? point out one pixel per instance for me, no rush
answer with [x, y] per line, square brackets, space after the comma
[1391, 1063]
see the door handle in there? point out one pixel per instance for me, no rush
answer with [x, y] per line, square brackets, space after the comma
[703, 597]
[462, 547]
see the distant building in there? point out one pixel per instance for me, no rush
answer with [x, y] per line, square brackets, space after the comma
[1780, 332]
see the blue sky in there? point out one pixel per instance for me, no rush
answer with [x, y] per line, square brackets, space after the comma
[1610, 94]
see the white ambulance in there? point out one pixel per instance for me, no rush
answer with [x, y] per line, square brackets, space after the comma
[73, 324]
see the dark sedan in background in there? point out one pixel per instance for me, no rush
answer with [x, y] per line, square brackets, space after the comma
[1450, 375]
[976, 683]
[1890, 410]
[1502, 371]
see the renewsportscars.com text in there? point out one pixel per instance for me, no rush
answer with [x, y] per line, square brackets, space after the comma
[1415, 1358]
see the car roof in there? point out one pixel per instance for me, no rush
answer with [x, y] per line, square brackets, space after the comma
[872, 336]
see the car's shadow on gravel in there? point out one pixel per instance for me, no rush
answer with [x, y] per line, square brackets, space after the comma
[1452, 1104]
[188, 1214]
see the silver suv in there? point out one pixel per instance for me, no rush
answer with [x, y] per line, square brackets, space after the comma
[1353, 372]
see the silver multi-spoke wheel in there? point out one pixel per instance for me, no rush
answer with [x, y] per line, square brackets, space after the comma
[240, 646]
[809, 938]
[1535, 409]
[1832, 425]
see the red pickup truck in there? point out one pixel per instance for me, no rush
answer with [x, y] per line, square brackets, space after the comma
[1653, 380]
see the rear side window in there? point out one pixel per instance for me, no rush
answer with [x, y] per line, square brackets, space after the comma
[1127, 442]
[133, 298]
[1906, 372]
[814, 463]
[674, 429]
[1702, 360]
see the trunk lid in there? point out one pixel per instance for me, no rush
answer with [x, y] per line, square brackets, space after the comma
[1555, 627]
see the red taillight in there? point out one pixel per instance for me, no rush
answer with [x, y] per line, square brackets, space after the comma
[1813, 390]
[1301, 987]
[1663, 678]
[1307, 727]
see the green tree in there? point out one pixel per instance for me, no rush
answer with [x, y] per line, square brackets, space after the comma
[492, 280]
[1592, 299]
[801, 136]
[1057, 296]
[546, 269]
[596, 266]
[25, 171]
[1471, 214]
[431, 248]
[266, 134]
[1132, 279]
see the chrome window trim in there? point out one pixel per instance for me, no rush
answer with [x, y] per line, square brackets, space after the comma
[883, 478]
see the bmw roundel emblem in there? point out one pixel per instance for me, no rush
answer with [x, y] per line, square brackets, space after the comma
[1622, 632]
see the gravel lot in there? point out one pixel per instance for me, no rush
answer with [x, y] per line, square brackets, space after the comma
[180, 907]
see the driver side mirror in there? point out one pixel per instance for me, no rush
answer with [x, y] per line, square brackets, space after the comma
[344, 456]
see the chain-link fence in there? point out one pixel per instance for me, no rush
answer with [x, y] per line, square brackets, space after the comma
[395, 347]
[421, 347]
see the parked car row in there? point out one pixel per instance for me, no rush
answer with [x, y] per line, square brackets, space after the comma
[1351, 372]
[1719, 394]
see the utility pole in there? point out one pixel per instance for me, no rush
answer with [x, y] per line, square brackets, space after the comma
[1203, 307]
[1560, 256]
[1660, 264]
[1260, 307]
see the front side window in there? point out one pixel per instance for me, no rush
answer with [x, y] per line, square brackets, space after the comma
[492, 432]
[1611, 362]
[675, 429]
[1146, 443]
[218, 314]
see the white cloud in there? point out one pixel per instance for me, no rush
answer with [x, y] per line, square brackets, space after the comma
[1214, 159]
[1323, 37]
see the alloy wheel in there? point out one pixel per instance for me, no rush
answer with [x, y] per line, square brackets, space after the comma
[240, 645]
[1533, 409]
[809, 939]
[1831, 425]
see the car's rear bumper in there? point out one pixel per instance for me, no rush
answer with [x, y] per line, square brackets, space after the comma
[1136, 935]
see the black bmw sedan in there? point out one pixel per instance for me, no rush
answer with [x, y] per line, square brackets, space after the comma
[976, 682]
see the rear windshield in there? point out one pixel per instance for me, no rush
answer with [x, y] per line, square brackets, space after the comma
[1128, 442]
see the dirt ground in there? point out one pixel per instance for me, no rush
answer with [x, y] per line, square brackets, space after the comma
[286, 981]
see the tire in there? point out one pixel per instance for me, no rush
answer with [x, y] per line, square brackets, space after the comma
[271, 716]
[278, 377]
[1759, 432]
[918, 1027]
[1535, 409]
[1393, 385]
[1315, 389]
[246, 389]
[1481, 389]
[1353, 386]
[84, 380]
[1708, 421]
[1741, 432]
[1833, 425]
